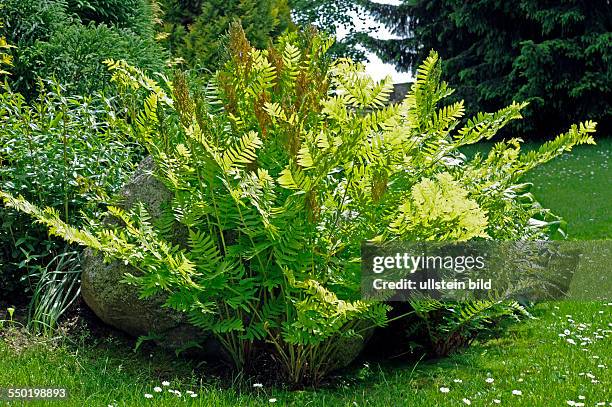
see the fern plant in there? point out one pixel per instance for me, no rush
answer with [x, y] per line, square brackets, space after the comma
[278, 174]
[451, 326]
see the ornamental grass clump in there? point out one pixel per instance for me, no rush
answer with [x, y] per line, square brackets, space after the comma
[279, 169]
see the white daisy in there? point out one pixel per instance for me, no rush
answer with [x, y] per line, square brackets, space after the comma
[489, 380]
[467, 401]
[148, 396]
[444, 389]
[517, 392]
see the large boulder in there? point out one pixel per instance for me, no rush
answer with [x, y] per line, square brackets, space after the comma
[118, 304]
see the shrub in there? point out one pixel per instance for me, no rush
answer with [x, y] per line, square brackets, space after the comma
[6, 60]
[450, 326]
[61, 39]
[74, 55]
[135, 15]
[28, 21]
[280, 173]
[68, 152]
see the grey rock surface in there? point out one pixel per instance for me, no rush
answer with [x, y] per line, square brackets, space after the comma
[117, 303]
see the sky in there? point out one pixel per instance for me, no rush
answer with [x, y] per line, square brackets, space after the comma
[375, 67]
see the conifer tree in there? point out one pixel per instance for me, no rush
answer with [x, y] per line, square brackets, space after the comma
[555, 55]
[196, 28]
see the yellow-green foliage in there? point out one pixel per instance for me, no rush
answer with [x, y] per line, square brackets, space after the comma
[440, 210]
[279, 172]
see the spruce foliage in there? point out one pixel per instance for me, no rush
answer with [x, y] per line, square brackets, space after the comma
[196, 30]
[554, 55]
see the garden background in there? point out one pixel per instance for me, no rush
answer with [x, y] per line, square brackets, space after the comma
[231, 157]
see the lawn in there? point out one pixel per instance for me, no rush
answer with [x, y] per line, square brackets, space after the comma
[537, 359]
[577, 186]
[561, 357]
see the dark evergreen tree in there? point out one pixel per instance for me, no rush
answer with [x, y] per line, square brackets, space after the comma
[554, 54]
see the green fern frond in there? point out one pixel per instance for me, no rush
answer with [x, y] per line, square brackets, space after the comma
[243, 153]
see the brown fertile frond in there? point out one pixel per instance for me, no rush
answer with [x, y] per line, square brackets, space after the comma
[293, 141]
[240, 47]
[312, 205]
[229, 91]
[379, 185]
[276, 59]
[301, 89]
[263, 119]
[184, 104]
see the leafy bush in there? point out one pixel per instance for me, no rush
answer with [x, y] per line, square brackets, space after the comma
[74, 55]
[136, 15]
[5, 59]
[280, 173]
[68, 152]
[61, 39]
[28, 21]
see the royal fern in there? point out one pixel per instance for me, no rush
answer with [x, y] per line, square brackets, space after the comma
[278, 171]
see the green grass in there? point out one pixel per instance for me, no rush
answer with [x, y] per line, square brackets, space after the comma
[577, 186]
[530, 357]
